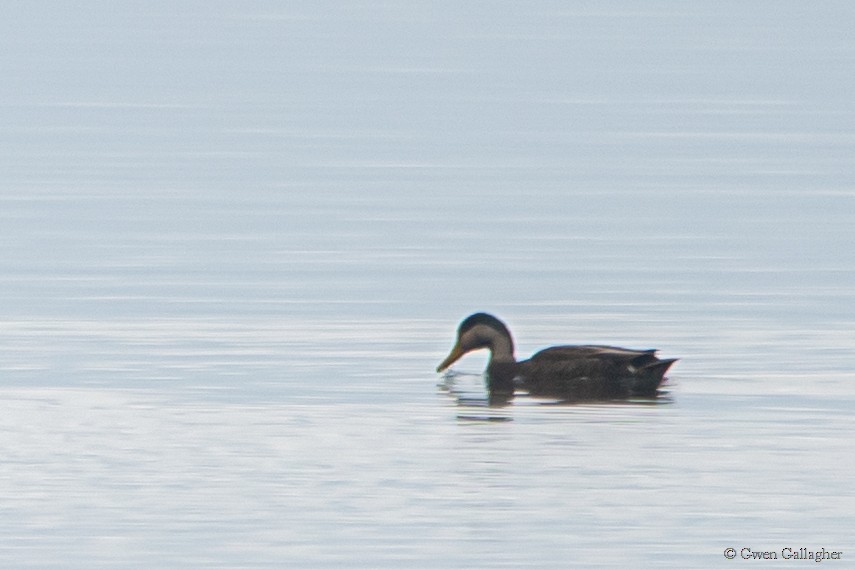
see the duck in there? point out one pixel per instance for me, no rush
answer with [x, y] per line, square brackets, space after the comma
[578, 373]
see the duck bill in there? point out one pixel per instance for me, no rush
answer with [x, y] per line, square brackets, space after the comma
[452, 357]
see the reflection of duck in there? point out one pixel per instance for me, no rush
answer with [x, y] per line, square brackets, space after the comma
[571, 373]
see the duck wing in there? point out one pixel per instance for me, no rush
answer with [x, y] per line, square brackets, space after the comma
[636, 358]
[593, 372]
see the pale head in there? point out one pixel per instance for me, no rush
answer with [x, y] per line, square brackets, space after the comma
[481, 331]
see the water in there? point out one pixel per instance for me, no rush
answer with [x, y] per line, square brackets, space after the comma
[235, 242]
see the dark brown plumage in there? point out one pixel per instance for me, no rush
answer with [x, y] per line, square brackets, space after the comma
[569, 373]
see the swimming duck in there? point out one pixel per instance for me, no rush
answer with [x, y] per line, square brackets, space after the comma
[569, 373]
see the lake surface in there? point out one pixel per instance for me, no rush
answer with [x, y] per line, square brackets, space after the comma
[237, 238]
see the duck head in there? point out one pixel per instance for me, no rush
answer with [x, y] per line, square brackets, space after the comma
[481, 331]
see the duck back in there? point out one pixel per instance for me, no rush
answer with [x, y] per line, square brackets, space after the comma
[593, 372]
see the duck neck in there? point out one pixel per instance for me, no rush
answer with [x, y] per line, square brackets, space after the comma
[501, 371]
[501, 350]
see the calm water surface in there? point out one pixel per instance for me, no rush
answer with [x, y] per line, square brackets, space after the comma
[236, 240]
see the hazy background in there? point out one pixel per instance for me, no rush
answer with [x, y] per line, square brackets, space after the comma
[236, 239]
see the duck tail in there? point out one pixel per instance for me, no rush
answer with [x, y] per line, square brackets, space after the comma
[659, 367]
[651, 375]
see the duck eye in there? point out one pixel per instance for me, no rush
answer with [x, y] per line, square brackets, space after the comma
[482, 341]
